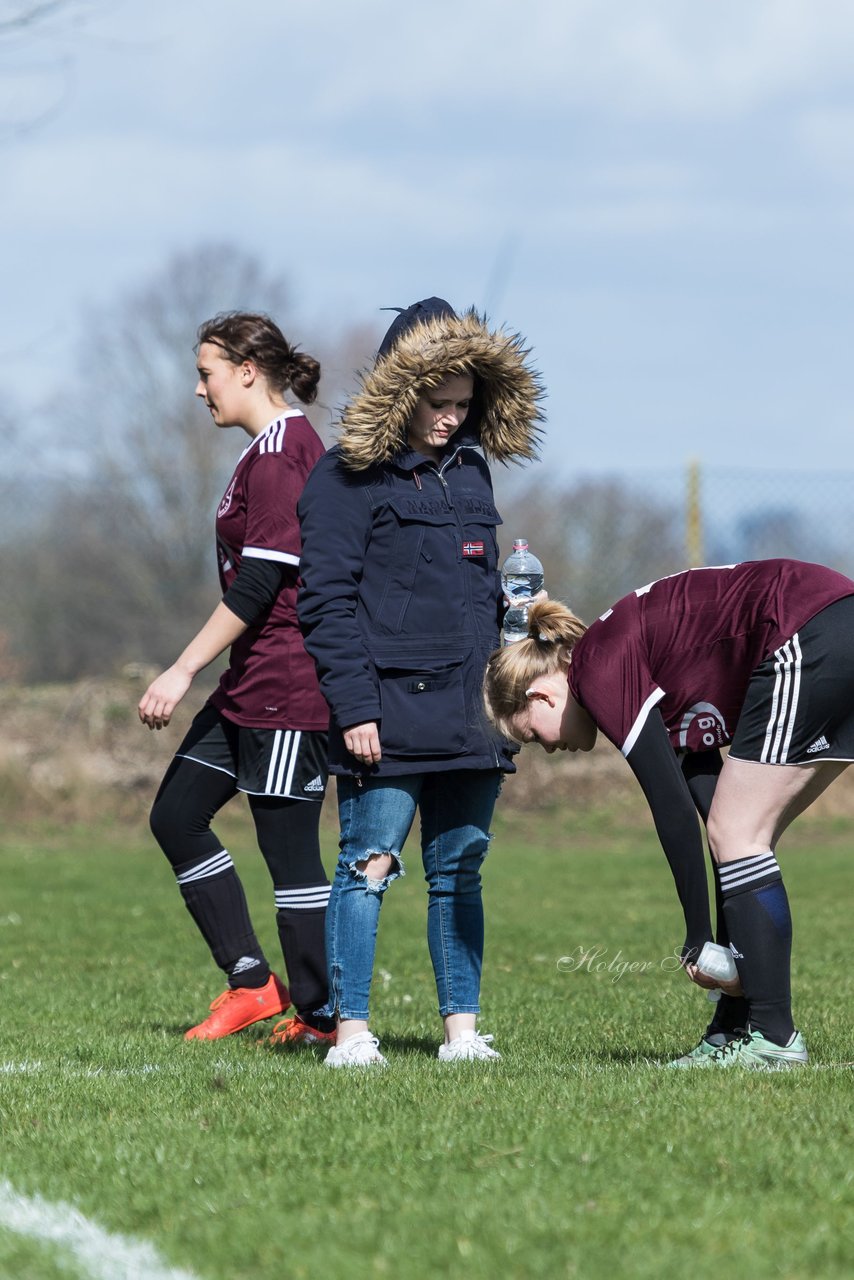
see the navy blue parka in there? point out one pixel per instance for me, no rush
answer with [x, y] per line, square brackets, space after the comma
[401, 599]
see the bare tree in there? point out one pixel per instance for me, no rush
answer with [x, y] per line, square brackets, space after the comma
[119, 564]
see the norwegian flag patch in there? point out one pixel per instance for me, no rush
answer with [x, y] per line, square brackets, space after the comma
[473, 549]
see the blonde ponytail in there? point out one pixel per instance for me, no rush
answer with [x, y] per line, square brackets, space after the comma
[553, 632]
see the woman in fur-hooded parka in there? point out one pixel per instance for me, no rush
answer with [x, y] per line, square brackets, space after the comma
[401, 600]
[400, 557]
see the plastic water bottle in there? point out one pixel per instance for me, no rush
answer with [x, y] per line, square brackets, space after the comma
[521, 578]
[717, 962]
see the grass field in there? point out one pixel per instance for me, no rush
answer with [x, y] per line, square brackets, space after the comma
[577, 1156]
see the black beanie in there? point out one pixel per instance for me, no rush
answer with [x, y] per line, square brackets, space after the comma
[419, 312]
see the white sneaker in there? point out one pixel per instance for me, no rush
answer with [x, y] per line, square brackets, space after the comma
[468, 1046]
[360, 1050]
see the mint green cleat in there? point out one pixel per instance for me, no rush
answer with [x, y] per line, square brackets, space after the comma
[708, 1045]
[755, 1053]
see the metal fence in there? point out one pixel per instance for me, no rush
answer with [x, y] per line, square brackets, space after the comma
[600, 537]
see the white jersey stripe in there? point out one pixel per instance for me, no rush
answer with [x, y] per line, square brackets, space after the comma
[635, 731]
[264, 553]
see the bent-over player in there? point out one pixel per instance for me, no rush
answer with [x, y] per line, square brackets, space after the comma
[756, 655]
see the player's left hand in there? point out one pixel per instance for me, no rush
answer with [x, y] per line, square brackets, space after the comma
[162, 697]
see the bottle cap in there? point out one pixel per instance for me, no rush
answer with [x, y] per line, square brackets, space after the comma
[520, 544]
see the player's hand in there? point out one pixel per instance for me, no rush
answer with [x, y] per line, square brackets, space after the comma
[703, 980]
[162, 697]
[363, 742]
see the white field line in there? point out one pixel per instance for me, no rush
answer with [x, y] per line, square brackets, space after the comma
[101, 1255]
[34, 1067]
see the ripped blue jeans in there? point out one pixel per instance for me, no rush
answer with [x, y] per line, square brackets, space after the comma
[376, 817]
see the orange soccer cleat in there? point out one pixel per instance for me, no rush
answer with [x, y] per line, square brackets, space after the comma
[293, 1031]
[239, 1007]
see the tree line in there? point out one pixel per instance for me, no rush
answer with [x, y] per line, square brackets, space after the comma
[106, 512]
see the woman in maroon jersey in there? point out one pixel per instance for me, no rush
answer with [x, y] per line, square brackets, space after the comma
[264, 730]
[756, 656]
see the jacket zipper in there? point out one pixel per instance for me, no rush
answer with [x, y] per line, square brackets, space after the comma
[439, 470]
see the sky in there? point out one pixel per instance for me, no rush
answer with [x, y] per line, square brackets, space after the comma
[659, 194]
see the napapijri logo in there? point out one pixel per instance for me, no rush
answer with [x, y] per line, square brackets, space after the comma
[316, 784]
[820, 744]
[244, 963]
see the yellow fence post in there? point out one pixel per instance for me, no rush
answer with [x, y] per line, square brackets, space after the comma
[693, 517]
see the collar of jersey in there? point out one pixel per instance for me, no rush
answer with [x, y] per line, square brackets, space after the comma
[290, 413]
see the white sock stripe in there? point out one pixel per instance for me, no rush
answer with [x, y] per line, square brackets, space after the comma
[761, 868]
[302, 906]
[318, 899]
[742, 864]
[210, 867]
[306, 892]
[284, 899]
[749, 878]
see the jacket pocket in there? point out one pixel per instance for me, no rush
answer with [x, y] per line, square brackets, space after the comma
[423, 707]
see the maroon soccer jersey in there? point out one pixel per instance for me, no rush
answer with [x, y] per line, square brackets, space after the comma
[688, 644]
[271, 681]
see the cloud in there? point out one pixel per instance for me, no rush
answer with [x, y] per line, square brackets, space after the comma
[826, 137]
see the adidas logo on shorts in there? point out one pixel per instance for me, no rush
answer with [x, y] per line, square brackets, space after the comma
[820, 744]
[316, 784]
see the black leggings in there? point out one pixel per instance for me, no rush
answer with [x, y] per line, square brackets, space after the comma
[192, 793]
[287, 830]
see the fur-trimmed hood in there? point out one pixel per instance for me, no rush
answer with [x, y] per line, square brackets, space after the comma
[506, 414]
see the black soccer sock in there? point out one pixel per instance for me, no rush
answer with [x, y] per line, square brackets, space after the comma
[301, 916]
[215, 899]
[759, 922]
[731, 1012]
